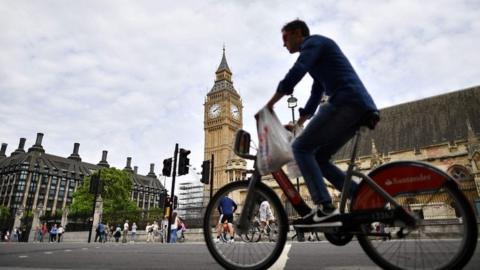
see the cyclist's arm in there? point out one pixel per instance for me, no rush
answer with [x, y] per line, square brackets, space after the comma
[234, 207]
[275, 98]
[313, 101]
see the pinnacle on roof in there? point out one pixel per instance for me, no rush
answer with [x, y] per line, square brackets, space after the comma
[223, 64]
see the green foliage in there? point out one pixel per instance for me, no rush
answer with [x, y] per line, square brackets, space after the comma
[4, 212]
[115, 194]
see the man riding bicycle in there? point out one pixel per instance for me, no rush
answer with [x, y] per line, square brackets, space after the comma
[333, 124]
[226, 208]
[265, 214]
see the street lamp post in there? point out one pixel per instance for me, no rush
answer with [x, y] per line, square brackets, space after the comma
[292, 103]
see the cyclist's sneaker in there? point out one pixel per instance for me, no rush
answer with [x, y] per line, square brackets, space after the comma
[231, 240]
[319, 217]
[217, 240]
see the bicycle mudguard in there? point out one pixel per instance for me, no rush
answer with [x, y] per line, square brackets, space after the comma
[398, 178]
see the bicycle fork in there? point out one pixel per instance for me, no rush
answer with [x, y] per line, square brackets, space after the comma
[247, 211]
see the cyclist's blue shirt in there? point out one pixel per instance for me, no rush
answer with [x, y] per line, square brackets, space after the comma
[227, 206]
[332, 74]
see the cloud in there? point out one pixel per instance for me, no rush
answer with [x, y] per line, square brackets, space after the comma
[131, 77]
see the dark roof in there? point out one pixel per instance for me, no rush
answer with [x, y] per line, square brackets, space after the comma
[223, 84]
[414, 125]
[223, 64]
[147, 181]
[48, 163]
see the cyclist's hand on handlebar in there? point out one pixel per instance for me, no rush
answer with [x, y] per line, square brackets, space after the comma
[266, 106]
[291, 126]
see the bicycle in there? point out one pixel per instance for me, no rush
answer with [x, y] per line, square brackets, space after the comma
[255, 232]
[394, 194]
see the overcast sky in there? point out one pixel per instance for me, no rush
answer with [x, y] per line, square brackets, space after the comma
[131, 77]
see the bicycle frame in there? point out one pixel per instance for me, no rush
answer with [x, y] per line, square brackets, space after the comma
[295, 198]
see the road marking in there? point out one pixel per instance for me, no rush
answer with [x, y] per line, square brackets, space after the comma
[84, 248]
[352, 268]
[282, 260]
[68, 250]
[23, 256]
[48, 252]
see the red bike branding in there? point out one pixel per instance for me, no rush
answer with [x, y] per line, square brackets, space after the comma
[396, 178]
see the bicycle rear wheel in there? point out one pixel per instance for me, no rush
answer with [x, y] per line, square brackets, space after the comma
[445, 237]
[240, 254]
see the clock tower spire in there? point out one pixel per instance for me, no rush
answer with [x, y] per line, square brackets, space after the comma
[222, 118]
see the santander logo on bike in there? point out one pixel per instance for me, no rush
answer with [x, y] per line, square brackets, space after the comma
[407, 180]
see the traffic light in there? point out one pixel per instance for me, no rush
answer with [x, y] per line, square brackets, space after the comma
[167, 167]
[183, 162]
[167, 201]
[175, 202]
[95, 184]
[205, 172]
[163, 195]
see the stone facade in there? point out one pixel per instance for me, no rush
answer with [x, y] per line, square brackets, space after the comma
[33, 178]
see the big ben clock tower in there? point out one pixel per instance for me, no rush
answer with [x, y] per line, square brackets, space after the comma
[222, 118]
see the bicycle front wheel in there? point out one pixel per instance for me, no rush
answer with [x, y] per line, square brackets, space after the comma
[248, 254]
[444, 238]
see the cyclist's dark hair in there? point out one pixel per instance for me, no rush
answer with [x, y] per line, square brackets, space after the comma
[297, 24]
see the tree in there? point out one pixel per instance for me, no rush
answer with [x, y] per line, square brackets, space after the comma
[116, 192]
[4, 212]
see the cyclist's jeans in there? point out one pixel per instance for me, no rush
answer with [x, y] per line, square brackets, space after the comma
[329, 129]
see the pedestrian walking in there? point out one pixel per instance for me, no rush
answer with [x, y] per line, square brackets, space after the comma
[149, 230]
[53, 233]
[125, 232]
[111, 232]
[107, 233]
[156, 231]
[134, 232]
[44, 231]
[173, 228]
[101, 232]
[37, 234]
[15, 234]
[7, 236]
[164, 229]
[60, 232]
[117, 234]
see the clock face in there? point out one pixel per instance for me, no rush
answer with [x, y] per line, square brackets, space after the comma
[235, 112]
[214, 111]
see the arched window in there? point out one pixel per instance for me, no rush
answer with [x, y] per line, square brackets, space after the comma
[476, 159]
[460, 173]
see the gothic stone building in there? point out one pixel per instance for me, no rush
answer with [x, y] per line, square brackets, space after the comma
[443, 131]
[32, 178]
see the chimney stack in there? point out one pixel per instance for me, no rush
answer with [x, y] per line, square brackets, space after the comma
[152, 171]
[103, 162]
[20, 149]
[75, 155]
[135, 169]
[3, 150]
[128, 168]
[37, 147]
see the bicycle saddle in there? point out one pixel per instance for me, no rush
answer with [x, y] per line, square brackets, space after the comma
[370, 119]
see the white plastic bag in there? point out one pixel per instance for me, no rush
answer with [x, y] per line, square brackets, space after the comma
[274, 149]
[292, 168]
